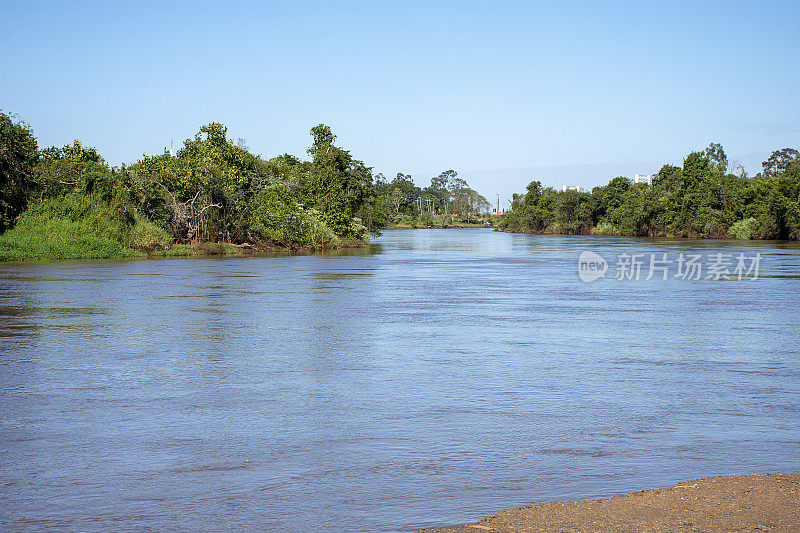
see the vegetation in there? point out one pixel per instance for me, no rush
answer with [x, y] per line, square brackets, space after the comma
[704, 198]
[212, 196]
[215, 196]
[447, 202]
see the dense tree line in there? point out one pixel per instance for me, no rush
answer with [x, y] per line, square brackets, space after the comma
[211, 190]
[703, 198]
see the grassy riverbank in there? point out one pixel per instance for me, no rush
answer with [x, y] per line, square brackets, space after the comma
[769, 502]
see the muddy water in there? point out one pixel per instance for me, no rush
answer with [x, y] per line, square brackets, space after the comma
[434, 378]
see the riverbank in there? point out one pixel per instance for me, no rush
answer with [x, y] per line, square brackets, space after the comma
[768, 502]
[439, 226]
[54, 252]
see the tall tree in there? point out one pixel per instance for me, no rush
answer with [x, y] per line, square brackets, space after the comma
[18, 155]
[779, 161]
[718, 161]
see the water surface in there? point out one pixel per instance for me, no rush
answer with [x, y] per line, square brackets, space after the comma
[434, 378]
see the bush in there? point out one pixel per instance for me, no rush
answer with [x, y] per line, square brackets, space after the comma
[358, 229]
[148, 236]
[278, 218]
[405, 221]
[316, 232]
[604, 228]
[744, 229]
[275, 215]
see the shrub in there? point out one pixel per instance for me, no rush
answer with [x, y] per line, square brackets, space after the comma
[316, 232]
[744, 229]
[604, 228]
[148, 236]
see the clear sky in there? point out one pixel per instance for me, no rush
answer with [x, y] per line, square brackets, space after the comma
[564, 92]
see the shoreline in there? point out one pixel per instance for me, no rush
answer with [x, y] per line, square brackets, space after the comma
[753, 502]
[193, 250]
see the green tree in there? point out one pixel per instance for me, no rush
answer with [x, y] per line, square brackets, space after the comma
[779, 161]
[18, 156]
[718, 161]
[73, 167]
[338, 185]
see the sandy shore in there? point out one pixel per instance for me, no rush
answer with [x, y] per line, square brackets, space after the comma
[768, 502]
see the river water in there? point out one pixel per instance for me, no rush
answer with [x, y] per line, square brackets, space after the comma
[436, 377]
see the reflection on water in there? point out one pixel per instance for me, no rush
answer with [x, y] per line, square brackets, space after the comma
[433, 378]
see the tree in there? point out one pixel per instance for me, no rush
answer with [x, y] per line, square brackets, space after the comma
[18, 155]
[63, 170]
[441, 187]
[476, 202]
[442, 181]
[396, 197]
[573, 214]
[338, 185]
[779, 161]
[322, 143]
[458, 191]
[718, 161]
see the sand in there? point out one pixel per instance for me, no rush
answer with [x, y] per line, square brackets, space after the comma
[768, 502]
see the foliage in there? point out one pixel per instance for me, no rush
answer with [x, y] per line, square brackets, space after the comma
[744, 229]
[73, 204]
[605, 228]
[700, 199]
[18, 156]
[215, 195]
[75, 226]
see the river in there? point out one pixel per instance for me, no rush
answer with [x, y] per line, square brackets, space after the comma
[433, 378]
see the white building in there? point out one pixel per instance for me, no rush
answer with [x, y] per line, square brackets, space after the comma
[641, 178]
[566, 188]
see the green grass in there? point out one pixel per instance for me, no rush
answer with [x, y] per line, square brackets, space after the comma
[80, 227]
[42, 238]
[201, 248]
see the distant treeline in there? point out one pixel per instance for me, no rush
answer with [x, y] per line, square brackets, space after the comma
[704, 198]
[69, 202]
[404, 204]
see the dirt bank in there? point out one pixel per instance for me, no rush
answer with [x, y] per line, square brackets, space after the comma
[768, 502]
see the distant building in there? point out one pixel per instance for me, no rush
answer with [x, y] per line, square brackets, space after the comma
[641, 178]
[566, 188]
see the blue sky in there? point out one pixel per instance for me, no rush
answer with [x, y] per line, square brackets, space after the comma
[503, 92]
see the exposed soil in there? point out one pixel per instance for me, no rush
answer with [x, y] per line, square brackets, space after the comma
[758, 502]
